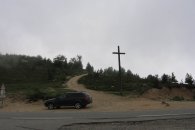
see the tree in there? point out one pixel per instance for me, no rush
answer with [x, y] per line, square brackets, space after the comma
[165, 79]
[123, 71]
[129, 73]
[154, 80]
[173, 78]
[89, 68]
[189, 79]
[60, 61]
[75, 65]
[109, 71]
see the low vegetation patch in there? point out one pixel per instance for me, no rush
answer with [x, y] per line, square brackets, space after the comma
[36, 91]
[178, 98]
[111, 85]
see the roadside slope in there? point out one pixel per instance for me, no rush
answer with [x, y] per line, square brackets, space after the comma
[108, 102]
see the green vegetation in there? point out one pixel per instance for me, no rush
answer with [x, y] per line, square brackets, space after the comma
[108, 80]
[178, 98]
[36, 91]
[189, 79]
[36, 77]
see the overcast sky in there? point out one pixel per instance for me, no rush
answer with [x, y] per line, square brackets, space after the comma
[157, 36]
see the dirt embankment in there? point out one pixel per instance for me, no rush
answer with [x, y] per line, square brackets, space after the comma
[106, 102]
[166, 93]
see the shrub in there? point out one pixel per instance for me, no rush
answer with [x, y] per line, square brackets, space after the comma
[34, 94]
[178, 98]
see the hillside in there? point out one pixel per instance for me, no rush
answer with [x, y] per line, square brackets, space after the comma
[34, 77]
[108, 80]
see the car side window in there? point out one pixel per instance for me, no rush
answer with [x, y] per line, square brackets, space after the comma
[69, 95]
[80, 95]
[62, 96]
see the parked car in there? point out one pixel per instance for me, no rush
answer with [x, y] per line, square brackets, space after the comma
[76, 99]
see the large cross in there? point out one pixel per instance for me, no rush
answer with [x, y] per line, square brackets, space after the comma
[119, 64]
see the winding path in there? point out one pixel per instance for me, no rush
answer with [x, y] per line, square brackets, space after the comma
[109, 102]
[101, 100]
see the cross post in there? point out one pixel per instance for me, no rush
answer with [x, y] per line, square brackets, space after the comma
[119, 64]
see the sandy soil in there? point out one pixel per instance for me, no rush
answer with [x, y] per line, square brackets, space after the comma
[11, 105]
[101, 102]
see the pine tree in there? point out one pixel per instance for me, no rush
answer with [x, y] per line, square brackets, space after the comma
[89, 68]
[189, 79]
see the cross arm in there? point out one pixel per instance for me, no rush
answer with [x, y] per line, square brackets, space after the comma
[118, 53]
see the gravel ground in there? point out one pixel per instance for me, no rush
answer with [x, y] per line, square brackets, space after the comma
[171, 124]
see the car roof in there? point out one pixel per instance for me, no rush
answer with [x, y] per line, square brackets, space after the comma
[75, 92]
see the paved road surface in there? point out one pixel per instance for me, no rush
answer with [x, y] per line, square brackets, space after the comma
[52, 120]
[169, 124]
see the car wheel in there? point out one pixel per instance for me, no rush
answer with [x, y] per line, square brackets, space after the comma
[51, 106]
[78, 105]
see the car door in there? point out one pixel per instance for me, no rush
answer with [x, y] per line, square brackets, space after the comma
[70, 99]
[61, 100]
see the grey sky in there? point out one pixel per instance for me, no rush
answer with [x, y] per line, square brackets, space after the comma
[157, 35]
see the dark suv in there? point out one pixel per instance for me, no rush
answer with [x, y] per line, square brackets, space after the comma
[76, 99]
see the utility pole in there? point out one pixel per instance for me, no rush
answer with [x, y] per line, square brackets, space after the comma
[119, 64]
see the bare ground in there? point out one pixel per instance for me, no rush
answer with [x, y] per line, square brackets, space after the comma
[101, 102]
[108, 102]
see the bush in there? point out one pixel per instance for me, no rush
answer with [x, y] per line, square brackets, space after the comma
[109, 83]
[34, 94]
[178, 98]
[37, 90]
